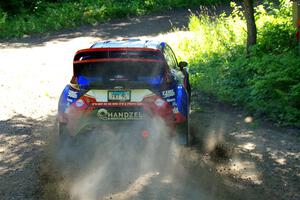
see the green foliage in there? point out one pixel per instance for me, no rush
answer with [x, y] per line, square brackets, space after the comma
[275, 30]
[19, 17]
[17, 6]
[3, 17]
[273, 87]
[266, 82]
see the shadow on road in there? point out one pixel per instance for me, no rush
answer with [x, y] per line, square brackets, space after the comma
[151, 25]
[147, 26]
[250, 152]
[21, 147]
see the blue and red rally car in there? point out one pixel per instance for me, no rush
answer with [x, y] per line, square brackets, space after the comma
[126, 81]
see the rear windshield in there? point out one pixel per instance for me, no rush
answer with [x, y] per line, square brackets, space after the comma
[139, 72]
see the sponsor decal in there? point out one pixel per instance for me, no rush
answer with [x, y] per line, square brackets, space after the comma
[70, 100]
[171, 100]
[72, 94]
[168, 93]
[79, 103]
[159, 102]
[175, 110]
[102, 114]
[175, 107]
[105, 114]
[117, 104]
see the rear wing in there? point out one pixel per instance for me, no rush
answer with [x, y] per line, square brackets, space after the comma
[105, 54]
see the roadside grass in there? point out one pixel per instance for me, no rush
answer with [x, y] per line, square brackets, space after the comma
[266, 82]
[46, 16]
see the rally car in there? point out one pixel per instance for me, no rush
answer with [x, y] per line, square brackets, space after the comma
[126, 81]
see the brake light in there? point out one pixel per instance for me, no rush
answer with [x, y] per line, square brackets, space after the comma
[83, 102]
[88, 99]
[157, 106]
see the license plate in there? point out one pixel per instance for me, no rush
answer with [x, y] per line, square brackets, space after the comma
[118, 95]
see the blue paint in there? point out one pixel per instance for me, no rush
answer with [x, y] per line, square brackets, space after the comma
[181, 100]
[82, 81]
[63, 103]
[65, 100]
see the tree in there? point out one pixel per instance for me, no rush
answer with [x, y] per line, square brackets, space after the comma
[251, 26]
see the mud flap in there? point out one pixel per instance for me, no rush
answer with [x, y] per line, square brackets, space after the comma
[182, 134]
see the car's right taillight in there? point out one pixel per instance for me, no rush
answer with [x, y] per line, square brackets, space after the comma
[158, 107]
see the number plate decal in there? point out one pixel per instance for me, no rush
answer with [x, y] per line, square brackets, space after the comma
[118, 95]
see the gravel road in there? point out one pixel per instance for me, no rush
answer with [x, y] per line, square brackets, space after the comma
[235, 156]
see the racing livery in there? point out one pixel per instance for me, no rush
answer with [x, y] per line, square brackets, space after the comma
[127, 81]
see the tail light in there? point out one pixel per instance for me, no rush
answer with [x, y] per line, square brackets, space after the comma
[84, 102]
[158, 107]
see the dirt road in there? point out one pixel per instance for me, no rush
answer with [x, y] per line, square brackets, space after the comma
[236, 156]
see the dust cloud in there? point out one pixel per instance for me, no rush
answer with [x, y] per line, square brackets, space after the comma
[116, 161]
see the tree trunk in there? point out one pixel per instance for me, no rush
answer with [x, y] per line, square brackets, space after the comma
[251, 26]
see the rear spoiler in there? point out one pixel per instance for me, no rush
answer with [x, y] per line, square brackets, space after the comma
[98, 54]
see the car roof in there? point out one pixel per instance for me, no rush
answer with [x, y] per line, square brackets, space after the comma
[130, 43]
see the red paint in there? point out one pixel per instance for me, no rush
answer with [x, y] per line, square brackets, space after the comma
[179, 117]
[164, 111]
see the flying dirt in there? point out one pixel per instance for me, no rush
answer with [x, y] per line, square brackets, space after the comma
[112, 163]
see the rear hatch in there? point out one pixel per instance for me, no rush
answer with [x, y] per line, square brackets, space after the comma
[120, 85]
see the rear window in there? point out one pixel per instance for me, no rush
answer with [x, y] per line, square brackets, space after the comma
[119, 71]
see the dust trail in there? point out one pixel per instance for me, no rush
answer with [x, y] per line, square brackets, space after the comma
[117, 162]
